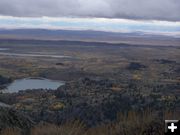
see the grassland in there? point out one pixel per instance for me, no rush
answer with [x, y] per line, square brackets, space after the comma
[108, 87]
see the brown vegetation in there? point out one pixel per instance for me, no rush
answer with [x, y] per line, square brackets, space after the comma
[132, 123]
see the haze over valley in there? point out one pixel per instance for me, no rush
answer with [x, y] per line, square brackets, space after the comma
[89, 68]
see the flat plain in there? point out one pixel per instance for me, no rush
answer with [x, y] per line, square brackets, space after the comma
[103, 81]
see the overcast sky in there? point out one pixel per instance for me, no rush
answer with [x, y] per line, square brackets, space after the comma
[132, 9]
[140, 11]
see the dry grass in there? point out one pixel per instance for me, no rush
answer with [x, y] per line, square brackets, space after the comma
[132, 123]
[11, 131]
[71, 128]
[169, 115]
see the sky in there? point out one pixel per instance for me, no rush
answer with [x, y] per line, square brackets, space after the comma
[149, 16]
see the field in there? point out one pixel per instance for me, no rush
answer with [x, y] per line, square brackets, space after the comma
[105, 83]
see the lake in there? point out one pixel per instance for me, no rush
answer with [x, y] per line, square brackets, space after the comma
[32, 83]
[33, 55]
[4, 49]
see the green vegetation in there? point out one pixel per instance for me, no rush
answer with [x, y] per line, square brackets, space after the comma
[4, 80]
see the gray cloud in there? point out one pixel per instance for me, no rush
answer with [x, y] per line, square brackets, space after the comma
[132, 9]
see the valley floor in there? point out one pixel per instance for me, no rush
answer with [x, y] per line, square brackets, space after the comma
[107, 85]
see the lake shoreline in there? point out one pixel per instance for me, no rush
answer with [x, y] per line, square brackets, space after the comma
[31, 83]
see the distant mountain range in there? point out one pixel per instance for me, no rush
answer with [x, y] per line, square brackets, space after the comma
[90, 36]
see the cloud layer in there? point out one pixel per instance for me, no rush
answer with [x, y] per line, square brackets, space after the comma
[168, 10]
[98, 24]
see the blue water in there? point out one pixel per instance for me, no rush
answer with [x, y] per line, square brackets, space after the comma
[32, 83]
[4, 49]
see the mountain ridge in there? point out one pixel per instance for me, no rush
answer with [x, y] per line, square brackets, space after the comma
[89, 35]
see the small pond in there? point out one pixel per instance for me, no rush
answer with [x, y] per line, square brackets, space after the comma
[32, 83]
